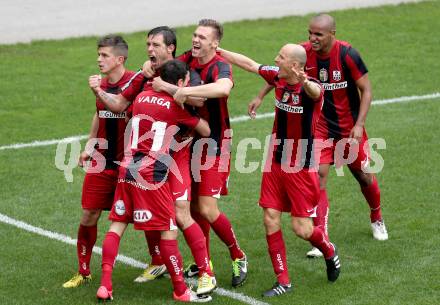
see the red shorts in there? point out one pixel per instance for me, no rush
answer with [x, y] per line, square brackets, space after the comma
[297, 193]
[212, 182]
[147, 209]
[99, 189]
[340, 152]
[181, 190]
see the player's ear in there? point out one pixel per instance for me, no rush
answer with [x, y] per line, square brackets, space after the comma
[184, 81]
[296, 65]
[121, 60]
[171, 48]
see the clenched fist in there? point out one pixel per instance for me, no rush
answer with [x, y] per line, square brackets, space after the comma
[94, 82]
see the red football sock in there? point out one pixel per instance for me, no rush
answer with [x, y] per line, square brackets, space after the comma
[320, 241]
[321, 219]
[196, 241]
[110, 247]
[372, 195]
[277, 253]
[153, 240]
[205, 226]
[223, 228]
[173, 260]
[84, 246]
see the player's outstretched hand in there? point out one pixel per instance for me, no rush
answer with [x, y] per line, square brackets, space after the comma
[253, 106]
[148, 70]
[94, 82]
[300, 75]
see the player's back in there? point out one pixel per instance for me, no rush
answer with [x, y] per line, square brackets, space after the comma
[154, 122]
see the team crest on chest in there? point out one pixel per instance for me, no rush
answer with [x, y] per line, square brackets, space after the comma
[323, 75]
[285, 97]
[295, 99]
[337, 75]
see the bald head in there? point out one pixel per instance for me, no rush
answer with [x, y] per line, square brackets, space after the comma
[296, 53]
[325, 21]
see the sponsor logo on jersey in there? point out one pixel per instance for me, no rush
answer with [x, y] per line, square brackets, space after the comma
[323, 75]
[295, 99]
[270, 68]
[120, 207]
[337, 75]
[285, 97]
[334, 86]
[105, 114]
[173, 260]
[288, 108]
[142, 215]
[154, 100]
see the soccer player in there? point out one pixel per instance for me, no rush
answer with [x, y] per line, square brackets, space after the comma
[161, 46]
[347, 100]
[143, 195]
[216, 75]
[290, 181]
[99, 185]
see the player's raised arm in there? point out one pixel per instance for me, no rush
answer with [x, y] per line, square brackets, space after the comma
[115, 103]
[240, 60]
[160, 85]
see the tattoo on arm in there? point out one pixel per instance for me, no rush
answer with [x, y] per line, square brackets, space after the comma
[106, 97]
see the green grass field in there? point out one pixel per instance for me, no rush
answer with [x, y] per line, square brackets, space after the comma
[44, 95]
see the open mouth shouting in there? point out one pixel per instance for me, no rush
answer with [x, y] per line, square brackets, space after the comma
[154, 61]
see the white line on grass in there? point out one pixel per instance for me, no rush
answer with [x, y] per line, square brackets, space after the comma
[242, 118]
[122, 258]
[44, 143]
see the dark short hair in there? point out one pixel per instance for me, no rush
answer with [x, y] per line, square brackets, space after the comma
[173, 70]
[217, 26]
[119, 45]
[168, 34]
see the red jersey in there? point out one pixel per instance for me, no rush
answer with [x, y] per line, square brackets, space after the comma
[296, 117]
[154, 125]
[214, 110]
[338, 72]
[136, 85]
[112, 125]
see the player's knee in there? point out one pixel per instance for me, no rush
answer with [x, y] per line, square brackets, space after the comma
[302, 230]
[364, 179]
[90, 217]
[271, 223]
[208, 212]
[323, 173]
[168, 235]
[183, 217]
